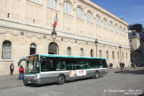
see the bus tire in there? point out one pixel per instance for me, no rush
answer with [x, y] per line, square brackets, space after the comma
[61, 79]
[97, 74]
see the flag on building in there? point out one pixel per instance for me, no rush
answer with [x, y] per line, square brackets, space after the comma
[56, 20]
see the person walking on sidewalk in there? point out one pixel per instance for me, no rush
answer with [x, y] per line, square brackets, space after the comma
[111, 65]
[133, 65]
[11, 68]
[123, 66]
[21, 73]
[120, 66]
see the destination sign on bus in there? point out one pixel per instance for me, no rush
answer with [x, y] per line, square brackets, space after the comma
[33, 58]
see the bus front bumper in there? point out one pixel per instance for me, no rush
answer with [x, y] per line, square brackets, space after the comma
[26, 82]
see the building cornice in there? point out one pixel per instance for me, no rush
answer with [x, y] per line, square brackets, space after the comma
[42, 30]
[95, 6]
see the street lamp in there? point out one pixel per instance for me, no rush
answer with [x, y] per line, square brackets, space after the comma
[96, 43]
[133, 60]
[54, 34]
[120, 52]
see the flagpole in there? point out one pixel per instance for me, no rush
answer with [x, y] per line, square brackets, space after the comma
[54, 34]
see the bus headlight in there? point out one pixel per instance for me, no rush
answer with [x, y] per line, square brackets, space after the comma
[37, 76]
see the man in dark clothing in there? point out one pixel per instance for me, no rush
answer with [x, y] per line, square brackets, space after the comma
[123, 65]
[111, 65]
[11, 68]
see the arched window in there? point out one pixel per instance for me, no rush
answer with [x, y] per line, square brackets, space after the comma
[115, 28]
[89, 17]
[113, 57]
[32, 48]
[52, 4]
[81, 52]
[97, 18]
[122, 55]
[53, 48]
[100, 53]
[67, 8]
[37, 1]
[6, 50]
[118, 55]
[110, 25]
[120, 29]
[124, 30]
[68, 51]
[104, 23]
[79, 12]
[91, 53]
[107, 55]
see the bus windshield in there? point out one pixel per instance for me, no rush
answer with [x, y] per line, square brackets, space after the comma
[32, 68]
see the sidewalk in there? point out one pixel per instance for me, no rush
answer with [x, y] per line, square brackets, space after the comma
[8, 81]
[117, 70]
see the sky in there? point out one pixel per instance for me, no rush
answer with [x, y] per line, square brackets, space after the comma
[131, 11]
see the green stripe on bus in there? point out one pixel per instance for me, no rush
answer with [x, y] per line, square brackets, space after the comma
[71, 56]
[29, 74]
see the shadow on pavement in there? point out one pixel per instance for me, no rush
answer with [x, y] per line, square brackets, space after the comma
[141, 94]
[40, 85]
[67, 82]
[139, 72]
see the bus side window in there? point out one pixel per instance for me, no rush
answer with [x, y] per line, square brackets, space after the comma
[63, 66]
[101, 64]
[82, 66]
[96, 64]
[104, 64]
[58, 66]
[87, 65]
[44, 66]
[69, 66]
[93, 64]
[77, 66]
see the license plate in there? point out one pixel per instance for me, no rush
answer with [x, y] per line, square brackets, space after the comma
[29, 81]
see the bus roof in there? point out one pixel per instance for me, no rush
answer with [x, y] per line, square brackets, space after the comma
[66, 56]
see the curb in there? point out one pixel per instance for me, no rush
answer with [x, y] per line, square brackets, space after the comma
[128, 69]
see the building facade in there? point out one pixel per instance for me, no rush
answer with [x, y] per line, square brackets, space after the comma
[83, 29]
[137, 47]
[134, 39]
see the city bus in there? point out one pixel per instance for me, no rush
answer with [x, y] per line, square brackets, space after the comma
[42, 69]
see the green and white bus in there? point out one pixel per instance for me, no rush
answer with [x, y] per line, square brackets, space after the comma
[42, 69]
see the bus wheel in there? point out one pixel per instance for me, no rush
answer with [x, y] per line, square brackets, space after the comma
[61, 80]
[97, 74]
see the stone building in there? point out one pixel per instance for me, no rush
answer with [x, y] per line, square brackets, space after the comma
[137, 47]
[83, 29]
[134, 39]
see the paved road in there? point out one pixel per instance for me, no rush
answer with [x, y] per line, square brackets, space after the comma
[127, 83]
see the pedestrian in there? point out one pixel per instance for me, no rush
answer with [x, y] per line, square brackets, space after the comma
[134, 65]
[121, 66]
[11, 68]
[21, 73]
[111, 65]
